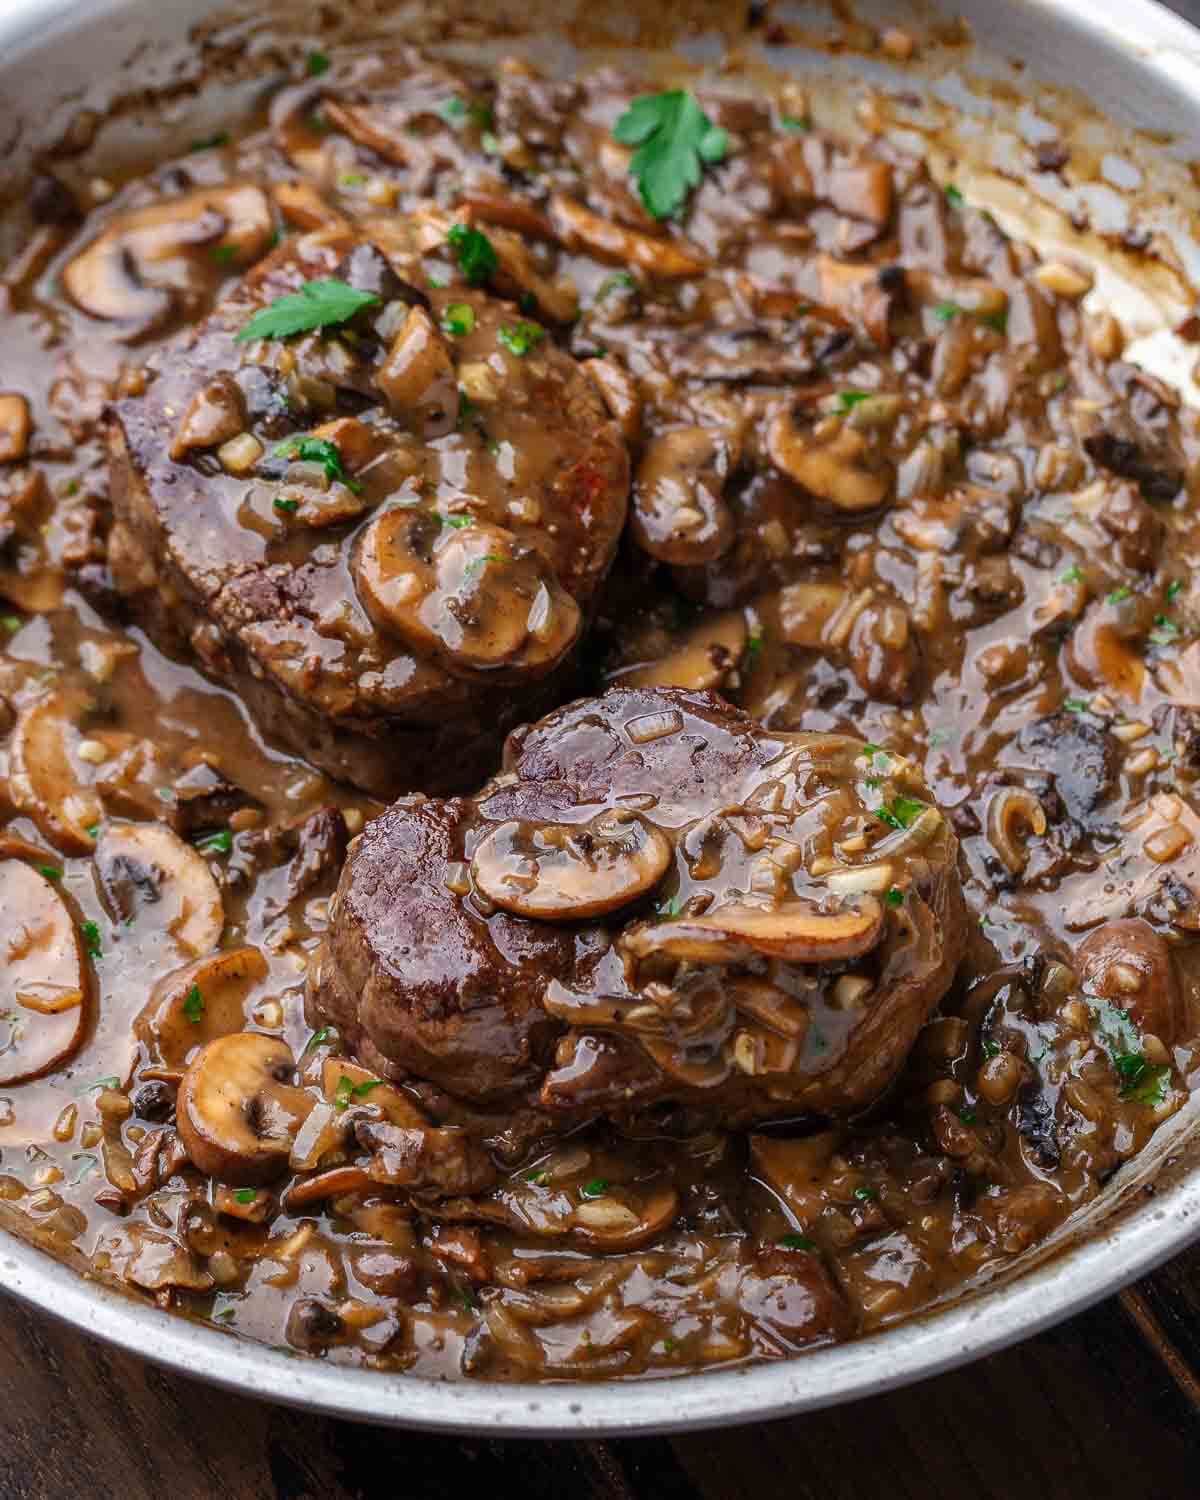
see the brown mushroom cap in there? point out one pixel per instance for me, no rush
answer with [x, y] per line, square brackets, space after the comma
[148, 876]
[838, 469]
[45, 984]
[468, 590]
[143, 261]
[43, 780]
[238, 1110]
[559, 872]
[794, 930]
[193, 1005]
[679, 515]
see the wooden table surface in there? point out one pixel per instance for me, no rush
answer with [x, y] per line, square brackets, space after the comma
[1105, 1405]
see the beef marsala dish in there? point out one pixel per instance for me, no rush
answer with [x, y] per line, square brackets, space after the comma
[600, 695]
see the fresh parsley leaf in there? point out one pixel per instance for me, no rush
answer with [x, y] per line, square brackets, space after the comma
[318, 304]
[617, 281]
[316, 64]
[675, 141]
[476, 256]
[848, 400]
[193, 1005]
[967, 1115]
[954, 196]
[1140, 1081]
[1165, 631]
[520, 338]
[246, 1195]
[1075, 705]
[319, 451]
[112, 1082]
[866, 1194]
[458, 319]
[12, 623]
[317, 1038]
[224, 255]
[945, 311]
[91, 940]
[594, 1189]
[210, 142]
[1149, 1087]
[795, 122]
[991, 1049]
[456, 112]
[900, 812]
[288, 507]
[51, 872]
[1119, 593]
[895, 896]
[996, 321]
[538, 1178]
[351, 180]
[220, 842]
[457, 522]
[347, 1090]
[1074, 574]
[1174, 589]
[754, 647]
[796, 1242]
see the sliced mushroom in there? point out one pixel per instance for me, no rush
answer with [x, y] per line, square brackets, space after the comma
[609, 1223]
[144, 261]
[563, 872]
[216, 413]
[238, 1110]
[679, 515]
[620, 394]
[517, 275]
[839, 469]
[417, 378]
[794, 931]
[42, 777]
[579, 227]
[195, 1004]
[44, 979]
[14, 427]
[468, 590]
[1129, 964]
[148, 876]
[156, 1262]
[302, 206]
[438, 1160]
[702, 658]
[864, 294]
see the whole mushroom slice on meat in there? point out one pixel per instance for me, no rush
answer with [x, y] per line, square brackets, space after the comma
[613, 1220]
[140, 266]
[239, 1109]
[484, 600]
[794, 930]
[565, 872]
[45, 981]
[150, 879]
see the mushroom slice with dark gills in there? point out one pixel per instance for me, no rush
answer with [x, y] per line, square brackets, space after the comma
[45, 982]
[469, 592]
[410, 525]
[656, 900]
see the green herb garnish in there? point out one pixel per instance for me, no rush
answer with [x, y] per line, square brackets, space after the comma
[1165, 631]
[996, 321]
[458, 319]
[224, 255]
[347, 1090]
[245, 1195]
[1074, 574]
[895, 896]
[51, 872]
[991, 1049]
[457, 522]
[91, 940]
[848, 400]
[210, 142]
[900, 812]
[1174, 589]
[220, 842]
[619, 279]
[754, 647]
[318, 304]
[966, 1115]
[1141, 1082]
[1119, 593]
[954, 196]
[316, 64]
[796, 1242]
[594, 1189]
[675, 141]
[351, 180]
[193, 1005]
[288, 507]
[477, 259]
[112, 1082]
[946, 311]
[11, 623]
[1075, 705]
[795, 122]
[319, 451]
[520, 338]
[866, 1194]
